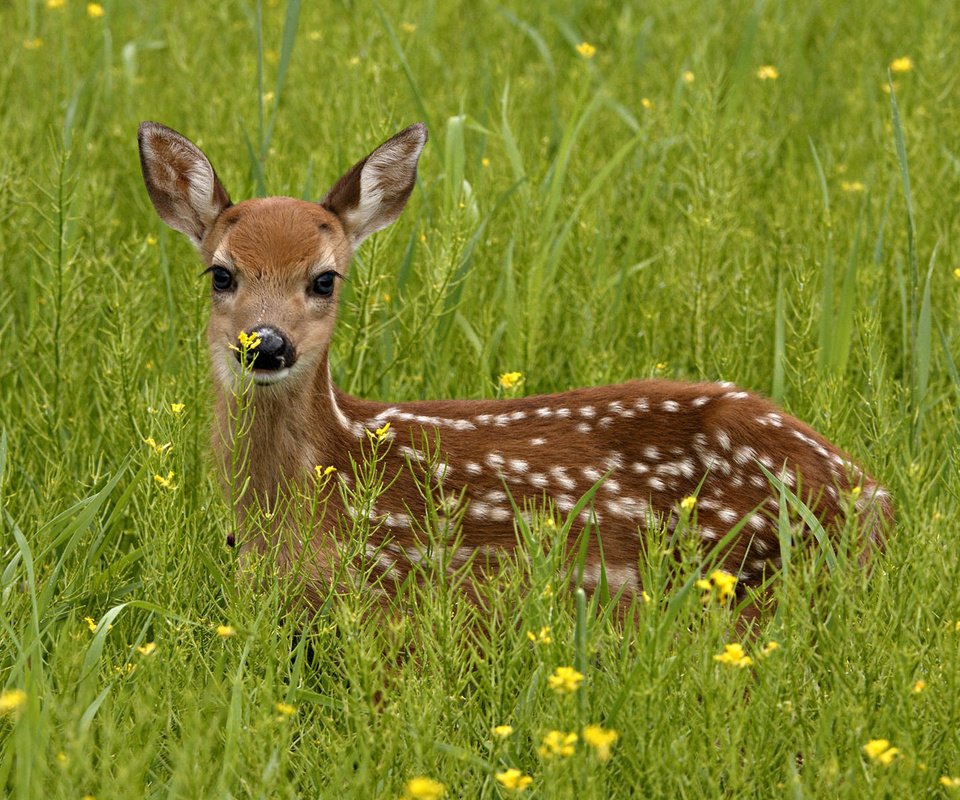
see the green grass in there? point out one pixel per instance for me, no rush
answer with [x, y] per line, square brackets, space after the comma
[581, 221]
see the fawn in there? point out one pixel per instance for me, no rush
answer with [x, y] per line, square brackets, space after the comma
[276, 265]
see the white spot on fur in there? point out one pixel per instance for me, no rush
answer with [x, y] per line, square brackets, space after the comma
[670, 405]
[642, 404]
[650, 452]
[538, 479]
[591, 474]
[723, 438]
[472, 467]
[700, 402]
[656, 483]
[519, 465]
[559, 474]
[495, 460]
[588, 411]
[537, 441]
[639, 468]
[583, 427]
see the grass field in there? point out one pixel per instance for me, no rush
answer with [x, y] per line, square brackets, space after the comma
[659, 202]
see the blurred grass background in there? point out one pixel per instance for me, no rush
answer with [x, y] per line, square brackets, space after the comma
[653, 204]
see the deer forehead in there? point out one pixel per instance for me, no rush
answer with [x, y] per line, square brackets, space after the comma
[278, 237]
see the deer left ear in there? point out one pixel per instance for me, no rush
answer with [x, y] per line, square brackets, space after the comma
[373, 193]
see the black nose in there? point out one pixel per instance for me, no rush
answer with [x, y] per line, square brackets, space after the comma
[274, 351]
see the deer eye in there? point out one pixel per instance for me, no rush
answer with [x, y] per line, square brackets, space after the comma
[323, 284]
[221, 278]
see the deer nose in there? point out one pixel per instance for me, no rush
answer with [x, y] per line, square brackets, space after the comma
[272, 352]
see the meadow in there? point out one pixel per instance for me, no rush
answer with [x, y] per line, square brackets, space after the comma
[760, 192]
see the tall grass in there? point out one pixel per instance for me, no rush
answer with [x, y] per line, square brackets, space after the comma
[656, 209]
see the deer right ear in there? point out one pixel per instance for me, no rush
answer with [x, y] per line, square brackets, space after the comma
[373, 193]
[181, 182]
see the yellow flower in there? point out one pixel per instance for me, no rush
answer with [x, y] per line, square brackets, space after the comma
[565, 680]
[382, 432]
[248, 341]
[514, 780]
[558, 743]
[225, 631]
[902, 64]
[768, 648]
[159, 449]
[600, 739]
[543, 637]
[166, 483]
[510, 380]
[151, 240]
[424, 789]
[55, 4]
[485, 162]
[92, 624]
[587, 50]
[94, 10]
[177, 408]
[956, 273]
[734, 656]
[852, 186]
[688, 76]
[503, 731]
[688, 503]
[723, 582]
[879, 751]
[662, 366]
[919, 686]
[33, 44]
[768, 73]
[314, 36]
[646, 597]
[950, 783]
[148, 649]
[285, 709]
[647, 103]
[408, 27]
[11, 700]
[62, 759]
[323, 472]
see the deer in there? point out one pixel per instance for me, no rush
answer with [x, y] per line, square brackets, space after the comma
[649, 450]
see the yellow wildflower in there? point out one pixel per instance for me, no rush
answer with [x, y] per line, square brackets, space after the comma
[177, 408]
[723, 582]
[424, 789]
[485, 162]
[852, 186]
[11, 700]
[919, 686]
[503, 731]
[600, 739]
[768, 648]
[323, 472]
[587, 50]
[408, 27]
[510, 380]
[151, 240]
[514, 780]
[558, 743]
[314, 36]
[734, 656]
[688, 76]
[94, 10]
[285, 709]
[768, 73]
[148, 649]
[902, 64]
[879, 751]
[248, 341]
[950, 783]
[62, 759]
[55, 4]
[382, 432]
[565, 680]
[33, 44]
[543, 637]
[647, 103]
[956, 273]
[225, 631]
[166, 483]
[92, 624]
[159, 449]
[646, 597]
[662, 366]
[688, 503]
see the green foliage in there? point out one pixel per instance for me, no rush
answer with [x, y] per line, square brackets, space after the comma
[655, 209]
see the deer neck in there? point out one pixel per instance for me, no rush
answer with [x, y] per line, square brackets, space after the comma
[278, 434]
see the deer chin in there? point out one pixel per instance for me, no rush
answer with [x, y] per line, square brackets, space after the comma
[263, 377]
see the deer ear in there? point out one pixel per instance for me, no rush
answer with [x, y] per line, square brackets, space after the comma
[181, 182]
[373, 193]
